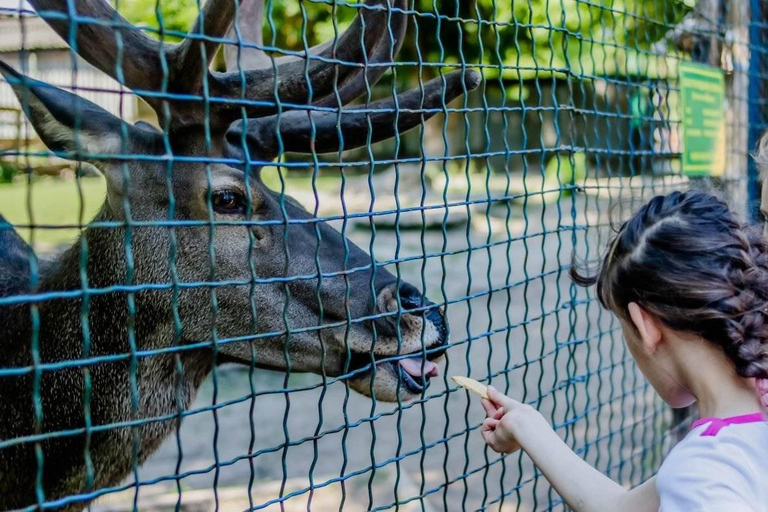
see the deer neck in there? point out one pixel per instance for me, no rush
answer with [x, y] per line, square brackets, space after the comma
[97, 327]
[106, 324]
[94, 263]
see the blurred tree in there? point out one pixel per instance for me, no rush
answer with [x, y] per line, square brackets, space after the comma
[512, 40]
[286, 23]
[174, 16]
[515, 38]
[538, 38]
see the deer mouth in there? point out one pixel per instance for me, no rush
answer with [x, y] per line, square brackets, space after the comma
[390, 372]
[413, 371]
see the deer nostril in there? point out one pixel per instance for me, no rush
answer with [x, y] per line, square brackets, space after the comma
[410, 297]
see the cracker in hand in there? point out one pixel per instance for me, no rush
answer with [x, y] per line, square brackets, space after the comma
[472, 385]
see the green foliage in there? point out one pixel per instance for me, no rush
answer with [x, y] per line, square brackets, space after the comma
[284, 22]
[541, 38]
[172, 15]
[515, 38]
[7, 171]
[564, 171]
[287, 22]
[52, 201]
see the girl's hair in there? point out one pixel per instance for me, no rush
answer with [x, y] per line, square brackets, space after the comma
[688, 260]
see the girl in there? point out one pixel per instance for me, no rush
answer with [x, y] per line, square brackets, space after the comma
[689, 283]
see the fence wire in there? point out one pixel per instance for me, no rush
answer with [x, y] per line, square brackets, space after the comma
[241, 301]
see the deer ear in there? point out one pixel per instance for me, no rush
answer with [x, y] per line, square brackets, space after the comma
[69, 124]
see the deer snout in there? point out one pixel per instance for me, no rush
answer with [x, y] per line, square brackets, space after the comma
[403, 308]
[409, 337]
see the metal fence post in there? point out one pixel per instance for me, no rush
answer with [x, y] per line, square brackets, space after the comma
[756, 121]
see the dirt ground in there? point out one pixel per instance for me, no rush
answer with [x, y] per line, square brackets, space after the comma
[515, 321]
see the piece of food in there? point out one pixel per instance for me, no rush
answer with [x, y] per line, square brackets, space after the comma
[472, 385]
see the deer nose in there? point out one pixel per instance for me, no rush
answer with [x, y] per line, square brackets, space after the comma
[412, 302]
[410, 297]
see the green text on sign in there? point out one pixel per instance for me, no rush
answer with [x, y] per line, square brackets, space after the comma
[702, 89]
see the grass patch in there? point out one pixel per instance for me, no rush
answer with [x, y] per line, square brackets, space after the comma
[56, 202]
[52, 203]
[327, 181]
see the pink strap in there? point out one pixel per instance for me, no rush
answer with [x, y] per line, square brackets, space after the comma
[716, 424]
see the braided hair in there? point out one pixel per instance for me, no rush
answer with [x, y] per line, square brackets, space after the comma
[689, 261]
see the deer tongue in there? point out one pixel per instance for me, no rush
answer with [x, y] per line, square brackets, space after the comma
[418, 367]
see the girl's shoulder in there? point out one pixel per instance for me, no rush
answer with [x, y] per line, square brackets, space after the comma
[717, 463]
[713, 442]
[732, 443]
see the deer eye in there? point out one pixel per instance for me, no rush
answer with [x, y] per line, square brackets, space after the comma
[228, 201]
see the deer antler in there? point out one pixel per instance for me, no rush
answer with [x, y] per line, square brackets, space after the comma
[194, 55]
[323, 131]
[107, 41]
[340, 65]
[318, 131]
[329, 75]
[249, 30]
[99, 28]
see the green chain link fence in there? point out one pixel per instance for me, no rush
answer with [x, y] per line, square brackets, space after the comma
[469, 219]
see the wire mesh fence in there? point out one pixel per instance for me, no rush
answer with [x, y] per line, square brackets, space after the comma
[251, 288]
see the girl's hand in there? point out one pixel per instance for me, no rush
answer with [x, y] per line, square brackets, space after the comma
[509, 423]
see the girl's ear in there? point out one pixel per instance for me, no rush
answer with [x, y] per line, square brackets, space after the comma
[647, 327]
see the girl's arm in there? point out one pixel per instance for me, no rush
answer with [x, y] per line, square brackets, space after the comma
[511, 425]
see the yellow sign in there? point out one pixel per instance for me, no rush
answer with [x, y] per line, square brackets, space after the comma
[702, 89]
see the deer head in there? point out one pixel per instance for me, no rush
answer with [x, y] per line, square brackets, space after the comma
[289, 291]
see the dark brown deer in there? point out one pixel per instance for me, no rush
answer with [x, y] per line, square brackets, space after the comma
[116, 335]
